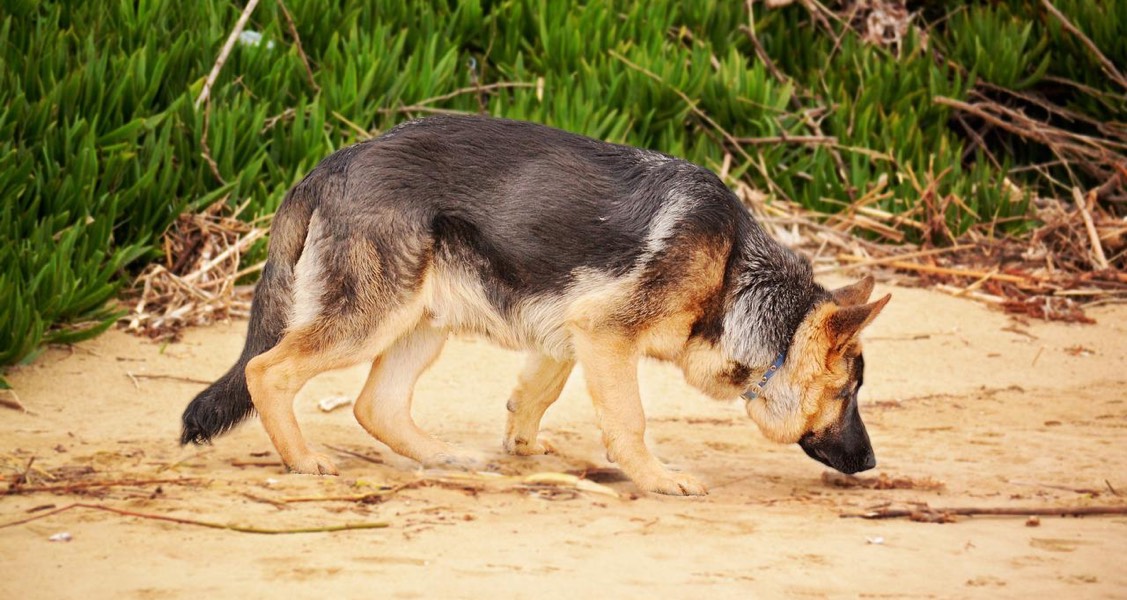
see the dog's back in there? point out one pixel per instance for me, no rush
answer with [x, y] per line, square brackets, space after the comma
[504, 224]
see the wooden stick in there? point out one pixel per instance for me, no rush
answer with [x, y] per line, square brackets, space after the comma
[205, 149]
[205, 93]
[759, 51]
[868, 262]
[9, 399]
[422, 105]
[370, 497]
[300, 50]
[696, 110]
[244, 242]
[1051, 511]
[208, 524]
[83, 485]
[363, 133]
[788, 139]
[364, 457]
[1053, 486]
[910, 266]
[1098, 256]
[1104, 62]
[256, 463]
[970, 294]
[169, 377]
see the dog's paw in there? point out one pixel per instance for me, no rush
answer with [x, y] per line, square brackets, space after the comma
[314, 463]
[673, 484]
[521, 447]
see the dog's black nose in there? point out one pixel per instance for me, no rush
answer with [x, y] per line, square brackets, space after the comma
[870, 462]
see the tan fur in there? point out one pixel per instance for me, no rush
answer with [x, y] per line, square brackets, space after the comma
[610, 366]
[539, 386]
[275, 377]
[803, 396]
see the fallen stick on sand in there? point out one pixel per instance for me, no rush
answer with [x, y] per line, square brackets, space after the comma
[17, 488]
[208, 524]
[9, 399]
[922, 268]
[944, 515]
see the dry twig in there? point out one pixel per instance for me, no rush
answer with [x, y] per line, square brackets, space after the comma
[198, 523]
[9, 399]
[196, 285]
[205, 93]
[1108, 66]
[300, 50]
[944, 515]
[68, 488]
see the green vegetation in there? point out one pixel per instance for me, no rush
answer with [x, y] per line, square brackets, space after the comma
[101, 146]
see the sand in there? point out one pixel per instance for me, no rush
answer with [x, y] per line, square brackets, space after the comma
[1002, 413]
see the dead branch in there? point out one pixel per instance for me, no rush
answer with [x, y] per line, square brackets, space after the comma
[300, 50]
[696, 110]
[256, 463]
[169, 377]
[1099, 260]
[372, 459]
[1101, 157]
[862, 262]
[9, 399]
[205, 93]
[1108, 66]
[198, 284]
[424, 105]
[927, 514]
[205, 149]
[208, 524]
[910, 266]
[14, 488]
[789, 139]
[765, 58]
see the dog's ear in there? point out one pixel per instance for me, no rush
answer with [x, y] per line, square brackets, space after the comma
[855, 294]
[845, 323]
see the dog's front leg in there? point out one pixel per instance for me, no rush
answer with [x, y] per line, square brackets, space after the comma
[610, 365]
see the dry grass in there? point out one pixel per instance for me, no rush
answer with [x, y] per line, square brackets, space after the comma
[1076, 256]
[196, 283]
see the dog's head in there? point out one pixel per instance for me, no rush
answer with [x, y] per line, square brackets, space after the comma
[812, 399]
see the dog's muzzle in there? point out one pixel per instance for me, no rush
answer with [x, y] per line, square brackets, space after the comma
[844, 446]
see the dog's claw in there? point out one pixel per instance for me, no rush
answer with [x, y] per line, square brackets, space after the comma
[521, 447]
[673, 484]
[314, 463]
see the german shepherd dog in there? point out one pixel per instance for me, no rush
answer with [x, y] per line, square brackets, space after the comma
[572, 249]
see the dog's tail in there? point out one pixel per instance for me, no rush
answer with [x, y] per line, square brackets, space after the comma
[227, 402]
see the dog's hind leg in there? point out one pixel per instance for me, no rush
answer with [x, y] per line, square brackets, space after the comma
[539, 385]
[384, 405]
[610, 364]
[274, 378]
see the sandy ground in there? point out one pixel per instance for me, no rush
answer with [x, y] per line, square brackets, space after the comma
[1002, 413]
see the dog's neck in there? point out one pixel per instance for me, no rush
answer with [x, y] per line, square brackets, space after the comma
[770, 289]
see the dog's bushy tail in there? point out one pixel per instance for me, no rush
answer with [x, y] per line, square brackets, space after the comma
[227, 402]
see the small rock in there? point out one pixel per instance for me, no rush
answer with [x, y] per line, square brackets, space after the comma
[63, 536]
[1033, 521]
[333, 402]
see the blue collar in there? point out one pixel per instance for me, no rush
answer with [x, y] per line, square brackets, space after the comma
[753, 392]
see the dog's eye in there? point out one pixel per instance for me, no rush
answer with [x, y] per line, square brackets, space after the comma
[851, 388]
